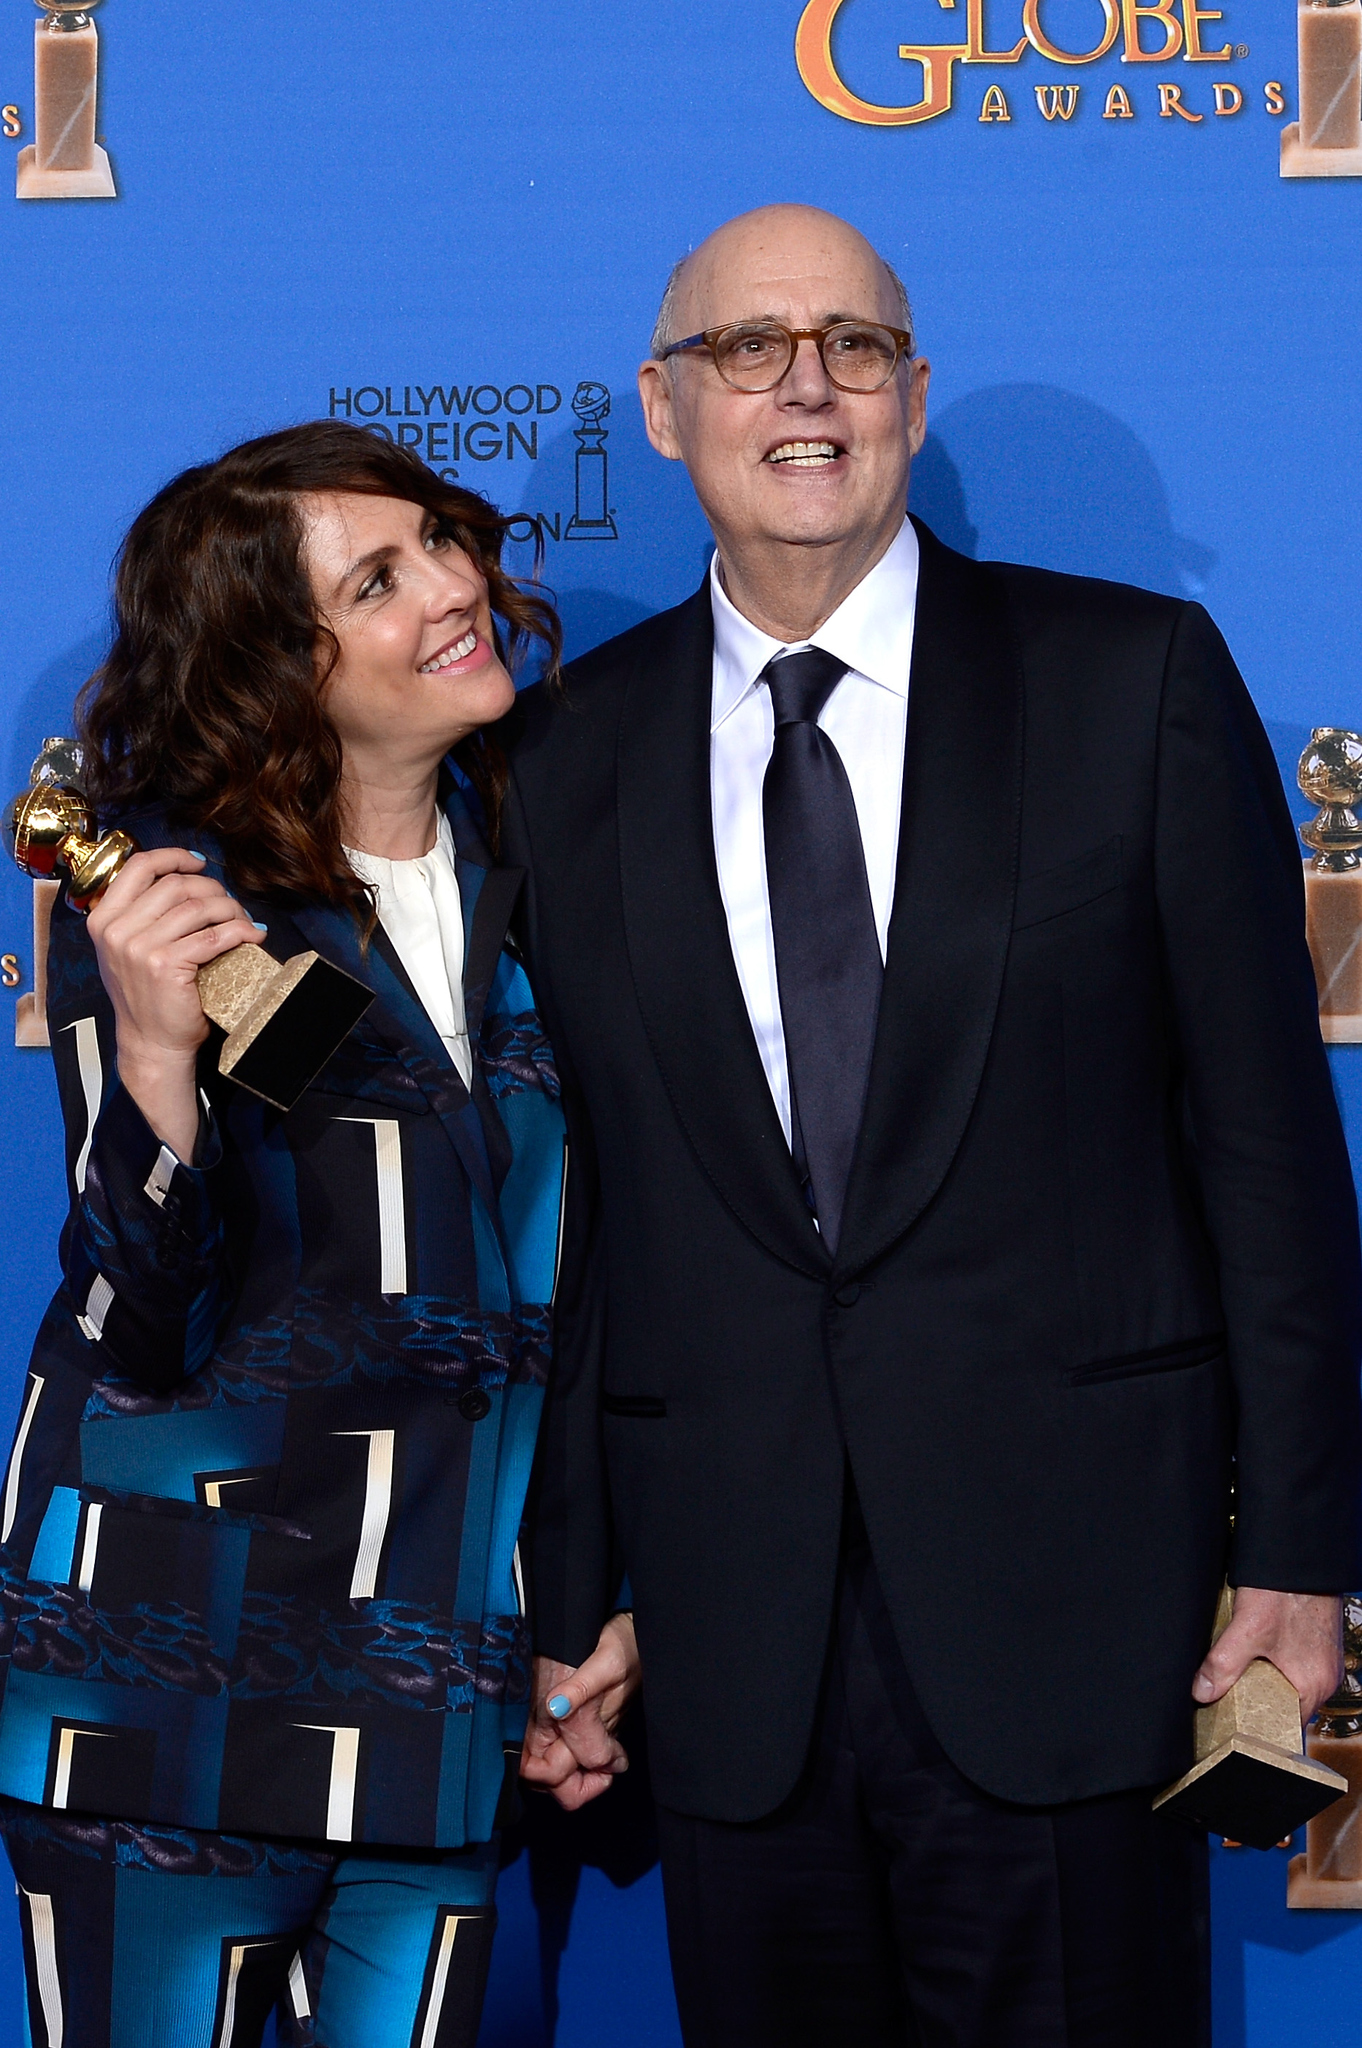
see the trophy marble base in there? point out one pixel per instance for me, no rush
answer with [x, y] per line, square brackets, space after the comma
[30, 1025]
[95, 183]
[1300, 161]
[30, 1012]
[1320, 1894]
[1333, 926]
[1252, 1792]
[1251, 1780]
[283, 1020]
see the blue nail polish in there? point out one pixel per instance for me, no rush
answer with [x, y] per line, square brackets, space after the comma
[194, 853]
[259, 927]
[560, 1705]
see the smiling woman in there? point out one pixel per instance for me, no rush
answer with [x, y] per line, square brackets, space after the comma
[260, 1545]
[228, 720]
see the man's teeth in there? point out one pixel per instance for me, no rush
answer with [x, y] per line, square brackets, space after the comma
[804, 454]
[460, 651]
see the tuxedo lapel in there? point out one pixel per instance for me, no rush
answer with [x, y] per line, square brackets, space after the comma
[488, 894]
[488, 902]
[953, 900]
[677, 934]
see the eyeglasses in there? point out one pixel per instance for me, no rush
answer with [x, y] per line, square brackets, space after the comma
[754, 355]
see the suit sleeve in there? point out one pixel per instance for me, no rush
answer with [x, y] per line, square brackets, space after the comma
[142, 1250]
[1270, 1157]
[573, 1573]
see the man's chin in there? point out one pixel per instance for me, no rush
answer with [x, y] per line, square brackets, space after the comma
[813, 533]
[822, 514]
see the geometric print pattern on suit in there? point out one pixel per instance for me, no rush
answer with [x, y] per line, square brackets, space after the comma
[259, 1567]
[141, 1937]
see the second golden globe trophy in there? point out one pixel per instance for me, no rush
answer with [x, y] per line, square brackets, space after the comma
[64, 161]
[283, 1020]
[1252, 1781]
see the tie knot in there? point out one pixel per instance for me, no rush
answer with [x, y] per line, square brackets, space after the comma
[800, 684]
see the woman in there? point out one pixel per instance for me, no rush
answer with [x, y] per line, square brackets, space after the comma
[260, 1570]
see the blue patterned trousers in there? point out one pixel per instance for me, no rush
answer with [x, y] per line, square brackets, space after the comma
[138, 1936]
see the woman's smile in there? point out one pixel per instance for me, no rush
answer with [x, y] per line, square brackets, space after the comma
[468, 652]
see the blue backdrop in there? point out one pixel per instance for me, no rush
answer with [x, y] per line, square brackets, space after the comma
[448, 218]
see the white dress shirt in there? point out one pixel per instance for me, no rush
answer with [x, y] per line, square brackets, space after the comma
[866, 718]
[420, 909]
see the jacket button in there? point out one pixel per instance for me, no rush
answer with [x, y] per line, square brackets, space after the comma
[849, 1295]
[475, 1404]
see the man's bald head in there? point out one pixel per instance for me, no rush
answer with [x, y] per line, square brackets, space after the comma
[804, 481]
[760, 247]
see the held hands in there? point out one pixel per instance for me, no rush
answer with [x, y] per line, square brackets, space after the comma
[573, 1752]
[158, 922]
[1301, 1633]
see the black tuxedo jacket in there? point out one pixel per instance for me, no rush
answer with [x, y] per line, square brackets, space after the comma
[1097, 1288]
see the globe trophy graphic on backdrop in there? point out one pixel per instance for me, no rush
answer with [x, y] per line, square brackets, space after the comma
[591, 519]
[1329, 1874]
[1330, 774]
[1326, 140]
[283, 1019]
[64, 161]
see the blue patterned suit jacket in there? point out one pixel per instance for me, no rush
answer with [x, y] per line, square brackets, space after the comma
[259, 1533]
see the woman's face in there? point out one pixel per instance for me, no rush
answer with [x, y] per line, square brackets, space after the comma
[417, 670]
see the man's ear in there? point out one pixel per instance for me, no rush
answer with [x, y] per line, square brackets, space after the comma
[920, 371]
[655, 393]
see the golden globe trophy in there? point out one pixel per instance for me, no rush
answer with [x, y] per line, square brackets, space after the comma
[1330, 774]
[1252, 1781]
[65, 161]
[283, 1020]
[1329, 1874]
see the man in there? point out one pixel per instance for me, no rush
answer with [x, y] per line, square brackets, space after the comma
[964, 1270]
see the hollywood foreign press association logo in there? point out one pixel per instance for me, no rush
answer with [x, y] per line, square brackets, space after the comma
[453, 426]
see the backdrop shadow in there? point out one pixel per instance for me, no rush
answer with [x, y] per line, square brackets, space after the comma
[1033, 473]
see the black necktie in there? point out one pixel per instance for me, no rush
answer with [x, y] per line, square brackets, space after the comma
[828, 962]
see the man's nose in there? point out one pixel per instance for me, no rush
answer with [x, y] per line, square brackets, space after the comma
[807, 381]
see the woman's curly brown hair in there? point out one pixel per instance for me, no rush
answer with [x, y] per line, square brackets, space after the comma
[212, 697]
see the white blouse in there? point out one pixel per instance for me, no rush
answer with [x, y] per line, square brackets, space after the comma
[419, 907]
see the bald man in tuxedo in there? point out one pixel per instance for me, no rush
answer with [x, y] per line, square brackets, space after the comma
[962, 1274]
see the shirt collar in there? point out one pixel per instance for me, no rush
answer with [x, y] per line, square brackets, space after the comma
[871, 629]
[392, 874]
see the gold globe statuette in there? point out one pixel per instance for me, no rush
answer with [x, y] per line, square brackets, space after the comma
[63, 17]
[283, 1019]
[50, 831]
